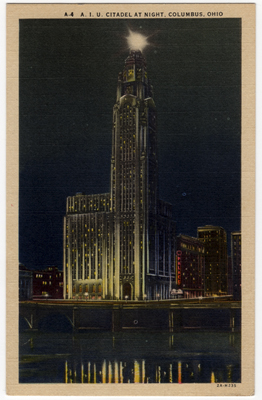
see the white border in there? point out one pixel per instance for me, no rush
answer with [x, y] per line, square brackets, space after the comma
[258, 370]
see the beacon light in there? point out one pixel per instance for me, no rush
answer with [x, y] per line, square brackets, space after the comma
[136, 41]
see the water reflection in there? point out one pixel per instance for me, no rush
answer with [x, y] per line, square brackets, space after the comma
[130, 357]
[140, 372]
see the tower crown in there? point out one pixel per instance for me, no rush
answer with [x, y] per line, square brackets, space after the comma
[133, 80]
[135, 56]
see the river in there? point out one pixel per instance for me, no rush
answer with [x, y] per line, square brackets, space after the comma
[190, 356]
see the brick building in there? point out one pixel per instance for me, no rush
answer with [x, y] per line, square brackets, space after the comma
[190, 266]
[48, 284]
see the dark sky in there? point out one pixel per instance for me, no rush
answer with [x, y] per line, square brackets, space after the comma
[68, 77]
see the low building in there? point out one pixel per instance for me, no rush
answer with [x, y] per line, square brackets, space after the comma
[48, 284]
[190, 266]
[25, 283]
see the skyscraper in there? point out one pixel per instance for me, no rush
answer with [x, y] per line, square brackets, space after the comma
[121, 244]
[215, 241]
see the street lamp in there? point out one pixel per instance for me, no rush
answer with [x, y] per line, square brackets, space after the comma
[86, 294]
[126, 297]
[158, 296]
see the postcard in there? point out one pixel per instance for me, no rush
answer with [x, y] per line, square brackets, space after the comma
[130, 199]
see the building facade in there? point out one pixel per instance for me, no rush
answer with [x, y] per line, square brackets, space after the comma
[236, 264]
[229, 276]
[25, 283]
[121, 245]
[48, 284]
[215, 240]
[190, 266]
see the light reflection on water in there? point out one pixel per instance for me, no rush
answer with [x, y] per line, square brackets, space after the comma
[130, 357]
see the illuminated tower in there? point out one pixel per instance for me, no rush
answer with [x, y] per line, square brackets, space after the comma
[142, 224]
[124, 242]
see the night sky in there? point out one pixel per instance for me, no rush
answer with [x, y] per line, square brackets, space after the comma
[68, 77]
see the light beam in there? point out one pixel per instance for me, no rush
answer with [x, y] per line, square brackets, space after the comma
[136, 41]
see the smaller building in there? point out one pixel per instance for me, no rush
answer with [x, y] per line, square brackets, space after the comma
[48, 284]
[236, 264]
[229, 276]
[190, 266]
[25, 283]
[214, 239]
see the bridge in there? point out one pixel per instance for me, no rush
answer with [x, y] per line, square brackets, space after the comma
[170, 315]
